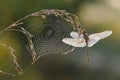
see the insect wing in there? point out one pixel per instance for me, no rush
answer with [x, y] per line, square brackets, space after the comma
[74, 42]
[94, 38]
[76, 35]
[91, 42]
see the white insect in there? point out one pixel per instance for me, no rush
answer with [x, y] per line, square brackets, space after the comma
[79, 41]
[83, 39]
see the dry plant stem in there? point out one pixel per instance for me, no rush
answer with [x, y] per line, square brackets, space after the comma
[69, 51]
[6, 73]
[29, 38]
[16, 65]
[79, 29]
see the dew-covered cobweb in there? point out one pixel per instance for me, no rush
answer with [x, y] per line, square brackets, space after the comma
[44, 31]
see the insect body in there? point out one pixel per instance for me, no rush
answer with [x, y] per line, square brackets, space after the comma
[83, 39]
[79, 41]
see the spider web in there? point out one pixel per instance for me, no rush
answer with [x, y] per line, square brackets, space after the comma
[44, 31]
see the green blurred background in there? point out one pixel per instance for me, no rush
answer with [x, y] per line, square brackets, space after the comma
[94, 15]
